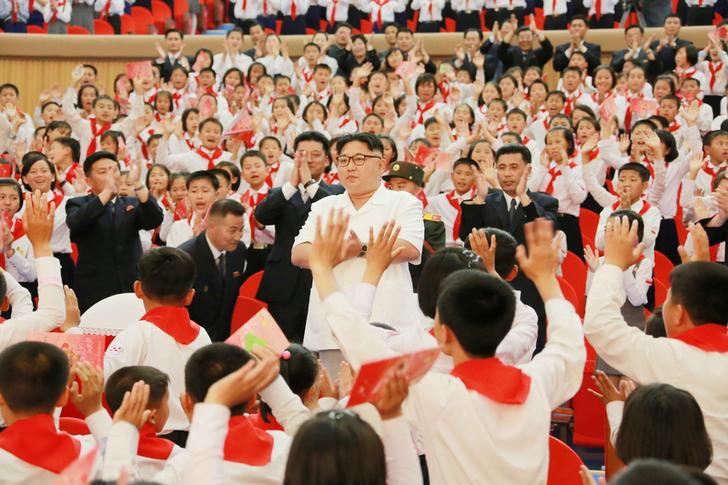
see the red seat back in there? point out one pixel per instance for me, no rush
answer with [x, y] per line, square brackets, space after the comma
[588, 222]
[568, 291]
[244, 310]
[162, 14]
[564, 464]
[77, 30]
[36, 29]
[102, 27]
[663, 267]
[660, 291]
[143, 20]
[575, 272]
[250, 286]
[128, 26]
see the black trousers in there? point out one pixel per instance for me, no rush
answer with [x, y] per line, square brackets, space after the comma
[293, 27]
[467, 20]
[555, 22]
[115, 21]
[714, 102]
[503, 15]
[179, 437]
[667, 240]
[68, 268]
[700, 15]
[255, 261]
[570, 225]
[606, 21]
[428, 27]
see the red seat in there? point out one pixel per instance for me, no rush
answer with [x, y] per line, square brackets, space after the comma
[77, 30]
[660, 291]
[575, 272]
[244, 310]
[323, 25]
[128, 26]
[366, 26]
[37, 29]
[590, 416]
[564, 464]
[449, 25]
[143, 21]
[569, 292]
[588, 222]
[181, 9]
[663, 267]
[162, 14]
[310, 31]
[250, 286]
[102, 27]
[588, 241]
[73, 426]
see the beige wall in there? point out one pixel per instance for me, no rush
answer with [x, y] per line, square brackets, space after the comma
[35, 62]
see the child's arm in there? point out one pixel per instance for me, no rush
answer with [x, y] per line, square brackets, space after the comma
[560, 365]
[19, 297]
[38, 222]
[79, 126]
[638, 283]
[603, 197]
[520, 341]
[286, 406]
[575, 186]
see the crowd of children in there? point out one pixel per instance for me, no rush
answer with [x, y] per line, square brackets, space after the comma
[198, 173]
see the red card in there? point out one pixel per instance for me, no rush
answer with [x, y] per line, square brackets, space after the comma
[90, 348]
[643, 107]
[242, 123]
[722, 32]
[608, 109]
[405, 70]
[78, 471]
[425, 155]
[207, 110]
[6, 169]
[141, 70]
[372, 375]
[260, 330]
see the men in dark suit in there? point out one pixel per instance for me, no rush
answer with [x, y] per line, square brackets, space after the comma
[468, 57]
[633, 37]
[105, 228]
[285, 287]
[220, 258]
[174, 42]
[578, 27]
[666, 48]
[510, 209]
[523, 54]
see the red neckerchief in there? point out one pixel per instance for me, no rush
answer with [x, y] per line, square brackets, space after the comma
[96, 132]
[571, 102]
[248, 199]
[380, 4]
[152, 446]
[36, 441]
[211, 157]
[714, 69]
[422, 109]
[444, 90]
[175, 322]
[307, 74]
[71, 172]
[674, 126]
[17, 230]
[330, 178]
[176, 97]
[713, 173]
[455, 203]
[271, 425]
[188, 141]
[555, 172]
[685, 73]
[54, 17]
[593, 154]
[247, 444]
[345, 122]
[273, 169]
[709, 337]
[648, 164]
[494, 380]
[145, 151]
[525, 140]
[628, 114]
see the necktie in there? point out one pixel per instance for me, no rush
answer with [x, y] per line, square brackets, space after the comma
[512, 212]
[221, 265]
[110, 209]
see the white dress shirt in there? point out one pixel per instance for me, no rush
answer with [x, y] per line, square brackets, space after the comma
[569, 187]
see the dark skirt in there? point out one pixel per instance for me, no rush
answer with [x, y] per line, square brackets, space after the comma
[570, 225]
[667, 240]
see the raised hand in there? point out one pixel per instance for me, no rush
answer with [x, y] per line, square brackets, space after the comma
[329, 245]
[87, 396]
[73, 313]
[38, 223]
[621, 248]
[133, 407]
[701, 245]
[381, 251]
[592, 258]
[242, 385]
[609, 391]
[394, 392]
[486, 250]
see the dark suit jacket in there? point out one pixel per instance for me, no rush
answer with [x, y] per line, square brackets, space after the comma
[494, 213]
[716, 235]
[281, 277]
[666, 55]
[618, 59]
[511, 55]
[593, 56]
[214, 301]
[108, 248]
[489, 68]
[165, 68]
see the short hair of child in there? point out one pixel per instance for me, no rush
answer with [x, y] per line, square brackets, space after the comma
[211, 363]
[631, 216]
[167, 274]
[478, 308]
[121, 382]
[33, 376]
[701, 288]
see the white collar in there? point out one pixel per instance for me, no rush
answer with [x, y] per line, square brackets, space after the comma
[215, 252]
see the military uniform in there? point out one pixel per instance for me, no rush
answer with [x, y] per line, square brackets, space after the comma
[434, 227]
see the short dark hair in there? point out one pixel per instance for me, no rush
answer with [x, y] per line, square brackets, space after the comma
[336, 447]
[5, 86]
[33, 376]
[167, 274]
[299, 371]
[234, 170]
[439, 266]
[477, 31]
[466, 161]
[663, 422]
[478, 308]
[343, 24]
[71, 143]
[663, 472]
[632, 217]
[636, 167]
[579, 17]
[221, 173]
[712, 135]
[122, 380]
[172, 31]
[405, 30]
[223, 207]
[311, 136]
[9, 182]
[372, 142]
[203, 175]
[210, 120]
[655, 324]
[512, 148]
[634, 26]
[425, 78]
[211, 363]
[59, 125]
[88, 164]
[691, 53]
[159, 166]
[701, 288]
[505, 250]
[668, 139]
[558, 94]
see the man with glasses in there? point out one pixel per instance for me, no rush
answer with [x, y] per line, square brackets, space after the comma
[370, 206]
[285, 287]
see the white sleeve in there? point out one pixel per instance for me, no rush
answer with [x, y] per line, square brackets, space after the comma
[19, 297]
[603, 197]
[403, 464]
[100, 424]
[520, 341]
[409, 218]
[127, 348]
[78, 125]
[23, 266]
[120, 452]
[286, 406]
[205, 443]
[638, 283]
[177, 234]
[560, 365]
[614, 416]
[51, 306]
